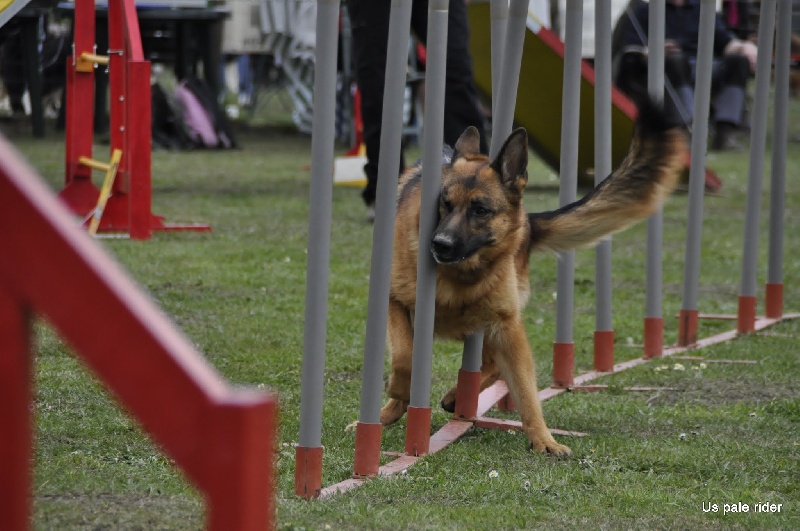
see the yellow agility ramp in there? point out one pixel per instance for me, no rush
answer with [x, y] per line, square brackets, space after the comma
[539, 97]
[9, 8]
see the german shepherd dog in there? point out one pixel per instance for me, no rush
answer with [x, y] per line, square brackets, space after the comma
[482, 246]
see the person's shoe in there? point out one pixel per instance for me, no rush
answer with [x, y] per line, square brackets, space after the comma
[724, 138]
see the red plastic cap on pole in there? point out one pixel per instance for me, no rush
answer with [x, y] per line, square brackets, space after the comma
[563, 364]
[604, 350]
[687, 327]
[467, 391]
[746, 316]
[773, 302]
[308, 472]
[418, 430]
[368, 449]
[653, 337]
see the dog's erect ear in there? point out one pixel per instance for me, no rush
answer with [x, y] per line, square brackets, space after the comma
[512, 162]
[469, 143]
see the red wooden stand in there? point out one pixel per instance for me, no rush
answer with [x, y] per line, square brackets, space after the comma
[128, 209]
[222, 437]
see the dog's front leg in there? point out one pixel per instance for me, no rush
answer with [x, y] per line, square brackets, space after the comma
[513, 357]
[401, 345]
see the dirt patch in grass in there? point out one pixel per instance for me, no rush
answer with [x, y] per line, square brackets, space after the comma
[725, 391]
[117, 511]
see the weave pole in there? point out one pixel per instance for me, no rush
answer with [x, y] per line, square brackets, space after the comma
[507, 84]
[773, 300]
[687, 322]
[746, 314]
[564, 346]
[368, 427]
[604, 332]
[308, 454]
[509, 21]
[418, 427]
[498, 11]
[654, 318]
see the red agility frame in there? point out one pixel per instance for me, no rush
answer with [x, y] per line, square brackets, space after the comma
[128, 209]
[222, 438]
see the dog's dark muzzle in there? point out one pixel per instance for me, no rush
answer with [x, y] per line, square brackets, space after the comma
[445, 249]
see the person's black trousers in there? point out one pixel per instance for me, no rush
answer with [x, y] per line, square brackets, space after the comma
[370, 26]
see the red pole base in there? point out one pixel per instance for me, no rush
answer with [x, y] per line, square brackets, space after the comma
[687, 328]
[604, 350]
[467, 391]
[418, 430]
[746, 316]
[506, 403]
[773, 302]
[368, 449]
[653, 337]
[563, 364]
[308, 472]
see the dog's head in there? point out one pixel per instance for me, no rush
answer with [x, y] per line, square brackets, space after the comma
[480, 205]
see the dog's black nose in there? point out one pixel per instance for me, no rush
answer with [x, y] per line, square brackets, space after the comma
[443, 247]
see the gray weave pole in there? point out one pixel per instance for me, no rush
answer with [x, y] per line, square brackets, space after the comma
[757, 148]
[602, 154]
[655, 87]
[568, 189]
[498, 12]
[702, 103]
[504, 100]
[386, 209]
[431, 185]
[779, 136]
[319, 225]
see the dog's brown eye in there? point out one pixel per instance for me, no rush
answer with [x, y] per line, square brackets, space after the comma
[448, 206]
[480, 211]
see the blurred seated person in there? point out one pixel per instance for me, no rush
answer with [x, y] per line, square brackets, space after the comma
[734, 61]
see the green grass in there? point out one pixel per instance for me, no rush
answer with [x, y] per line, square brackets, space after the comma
[725, 433]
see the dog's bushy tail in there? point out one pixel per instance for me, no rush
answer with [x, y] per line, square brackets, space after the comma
[632, 192]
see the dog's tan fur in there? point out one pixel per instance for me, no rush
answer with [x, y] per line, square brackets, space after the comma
[482, 278]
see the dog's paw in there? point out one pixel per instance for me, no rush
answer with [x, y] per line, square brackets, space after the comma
[449, 403]
[551, 447]
[351, 427]
[393, 411]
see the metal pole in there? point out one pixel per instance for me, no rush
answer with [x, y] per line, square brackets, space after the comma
[419, 411]
[308, 466]
[564, 348]
[504, 100]
[604, 333]
[654, 320]
[687, 325]
[498, 11]
[368, 428]
[773, 302]
[746, 315]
